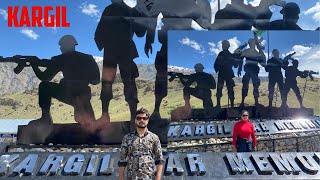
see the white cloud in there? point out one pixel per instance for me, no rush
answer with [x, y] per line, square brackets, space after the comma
[159, 22]
[214, 48]
[193, 44]
[30, 33]
[130, 3]
[310, 60]
[4, 14]
[300, 50]
[196, 26]
[315, 10]
[90, 10]
[214, 7]
[308, 57]
[255, 3]
[217, 47]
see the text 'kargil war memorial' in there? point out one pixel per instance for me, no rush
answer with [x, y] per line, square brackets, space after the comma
[249, 75]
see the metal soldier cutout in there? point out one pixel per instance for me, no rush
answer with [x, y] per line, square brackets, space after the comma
[79, 70]
[114, 34]
[223, 65]
[240, 16]
[205, 82]
[177, 15]
[290, 13]
[291, 74]
[251, 68]
[274, 66]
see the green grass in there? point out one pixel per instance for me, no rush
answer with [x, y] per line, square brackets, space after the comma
[119, 110]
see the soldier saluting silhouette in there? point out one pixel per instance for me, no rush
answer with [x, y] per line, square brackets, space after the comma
[290, 13]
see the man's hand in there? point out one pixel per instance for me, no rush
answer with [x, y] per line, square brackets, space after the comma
[147, 48]
[158, 178]
[255, 148]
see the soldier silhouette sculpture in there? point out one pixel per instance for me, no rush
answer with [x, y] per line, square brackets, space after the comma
[273, 67]
[240, 16]
[114, 34]
[290, 13]
[291, 73]
[177, 15]
[251, 69]
[79, 70]
[204, 83]
[223, 66]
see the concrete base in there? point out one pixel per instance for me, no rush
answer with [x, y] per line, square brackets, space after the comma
[74, 134]
[254, 111]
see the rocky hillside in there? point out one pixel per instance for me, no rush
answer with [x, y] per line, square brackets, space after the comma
[10, 83]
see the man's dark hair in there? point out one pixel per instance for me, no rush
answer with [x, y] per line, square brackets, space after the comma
[142, 111]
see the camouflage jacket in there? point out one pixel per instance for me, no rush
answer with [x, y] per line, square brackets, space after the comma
[141, 154]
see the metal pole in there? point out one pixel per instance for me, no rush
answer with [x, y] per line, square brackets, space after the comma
[219, 5]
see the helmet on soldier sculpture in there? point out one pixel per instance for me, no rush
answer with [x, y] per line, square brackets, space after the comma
[225, 44]
[68, 40]
[199, 66]
[290, 9]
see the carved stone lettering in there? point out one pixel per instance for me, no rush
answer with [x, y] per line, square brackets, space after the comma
[311, 124]
[51, 165]
[226, 129]
[296, 125]
[74, 165]
[256, 128]
[264, 127]
[196, 164]
[285, 163]
[5, 162]
[307, 162]
[199, 131]
[92, 165]
[289, 125]
[107, 165]
[280, 126]
[186, 131]
[262, 163]
[173, 131]
[219, 129]
[26, 167]
[239, 163]
[211, 129]
[174, 164]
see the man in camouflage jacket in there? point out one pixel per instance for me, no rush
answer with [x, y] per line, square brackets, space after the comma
[141, 150]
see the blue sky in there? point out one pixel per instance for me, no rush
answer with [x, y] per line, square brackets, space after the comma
[186, 48]
[83, 16]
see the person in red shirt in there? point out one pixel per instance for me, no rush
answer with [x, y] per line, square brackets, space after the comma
[242, 131]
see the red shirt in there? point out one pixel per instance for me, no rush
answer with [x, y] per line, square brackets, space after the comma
[243, 129]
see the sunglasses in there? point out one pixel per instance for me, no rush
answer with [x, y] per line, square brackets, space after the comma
[245, 115]
[142, 118]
